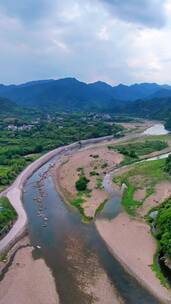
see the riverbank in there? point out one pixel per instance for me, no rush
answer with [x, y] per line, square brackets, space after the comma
[129, 240]
[27, 280]
[131, 243]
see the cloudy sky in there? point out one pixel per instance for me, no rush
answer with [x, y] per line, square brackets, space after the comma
[111, 40]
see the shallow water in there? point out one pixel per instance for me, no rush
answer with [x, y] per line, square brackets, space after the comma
[157, 129]
[74, 251]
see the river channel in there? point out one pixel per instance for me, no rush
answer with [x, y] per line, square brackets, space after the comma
[74, 251]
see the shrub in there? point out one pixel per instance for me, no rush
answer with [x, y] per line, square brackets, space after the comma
[103, 166]
[93, 173]
[81, 183]
[168, 164]
[7, 212]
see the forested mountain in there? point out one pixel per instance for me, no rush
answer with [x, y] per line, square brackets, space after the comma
[156, 108]
[71, 94]
[162, 93]
[7, 106]
[65, 94]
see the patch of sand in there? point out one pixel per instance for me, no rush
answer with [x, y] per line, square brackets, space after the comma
[28, 281]
[139, 195]
[67, 174]
[131, 242]
[104, 291]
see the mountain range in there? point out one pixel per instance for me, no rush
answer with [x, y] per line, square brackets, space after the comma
[71, 94]
[149, 100]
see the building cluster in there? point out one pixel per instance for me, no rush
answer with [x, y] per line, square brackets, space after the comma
[19, 128]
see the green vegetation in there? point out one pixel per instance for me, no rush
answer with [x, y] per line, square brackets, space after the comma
[81, 183]
[168, 165]
[128, 200]
[132, 151]
[20, 146]
[144, 175]
[100, 208]
[156, 268]
[105, 165]
[162, 224]
[99, 182]
[94, 173]
[7, 215]
[162, 232]
[77, 202]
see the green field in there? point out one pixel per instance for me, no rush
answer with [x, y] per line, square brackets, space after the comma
[143, 175]
[7, 214]
[132, 151]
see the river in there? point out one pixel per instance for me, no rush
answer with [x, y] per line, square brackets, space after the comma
[73, 251]
[157, 129]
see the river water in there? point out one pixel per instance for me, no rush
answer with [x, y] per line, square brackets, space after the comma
[157, 129]
[74, 251]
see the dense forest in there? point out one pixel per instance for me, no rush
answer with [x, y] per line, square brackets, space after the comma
[21, 144]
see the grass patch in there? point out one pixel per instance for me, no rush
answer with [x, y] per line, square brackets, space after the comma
[7, 215]
[99, 183]
[132, 151]
[151, 172]
[100, 208]
[143, 175]
[156, 268]
[77, 202]
[128, 201]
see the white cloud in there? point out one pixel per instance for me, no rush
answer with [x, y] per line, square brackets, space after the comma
[84, 40]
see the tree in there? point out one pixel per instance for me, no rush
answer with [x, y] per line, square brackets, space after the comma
[168, 164]
[81, 183]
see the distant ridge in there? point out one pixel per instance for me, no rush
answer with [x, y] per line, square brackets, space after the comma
[71, 94]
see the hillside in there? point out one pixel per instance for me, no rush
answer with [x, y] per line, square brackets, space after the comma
[156, 108]
[7, 106]
[69, 94]
[65, 94]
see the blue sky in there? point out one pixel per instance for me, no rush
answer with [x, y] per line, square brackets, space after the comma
[111, 40]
